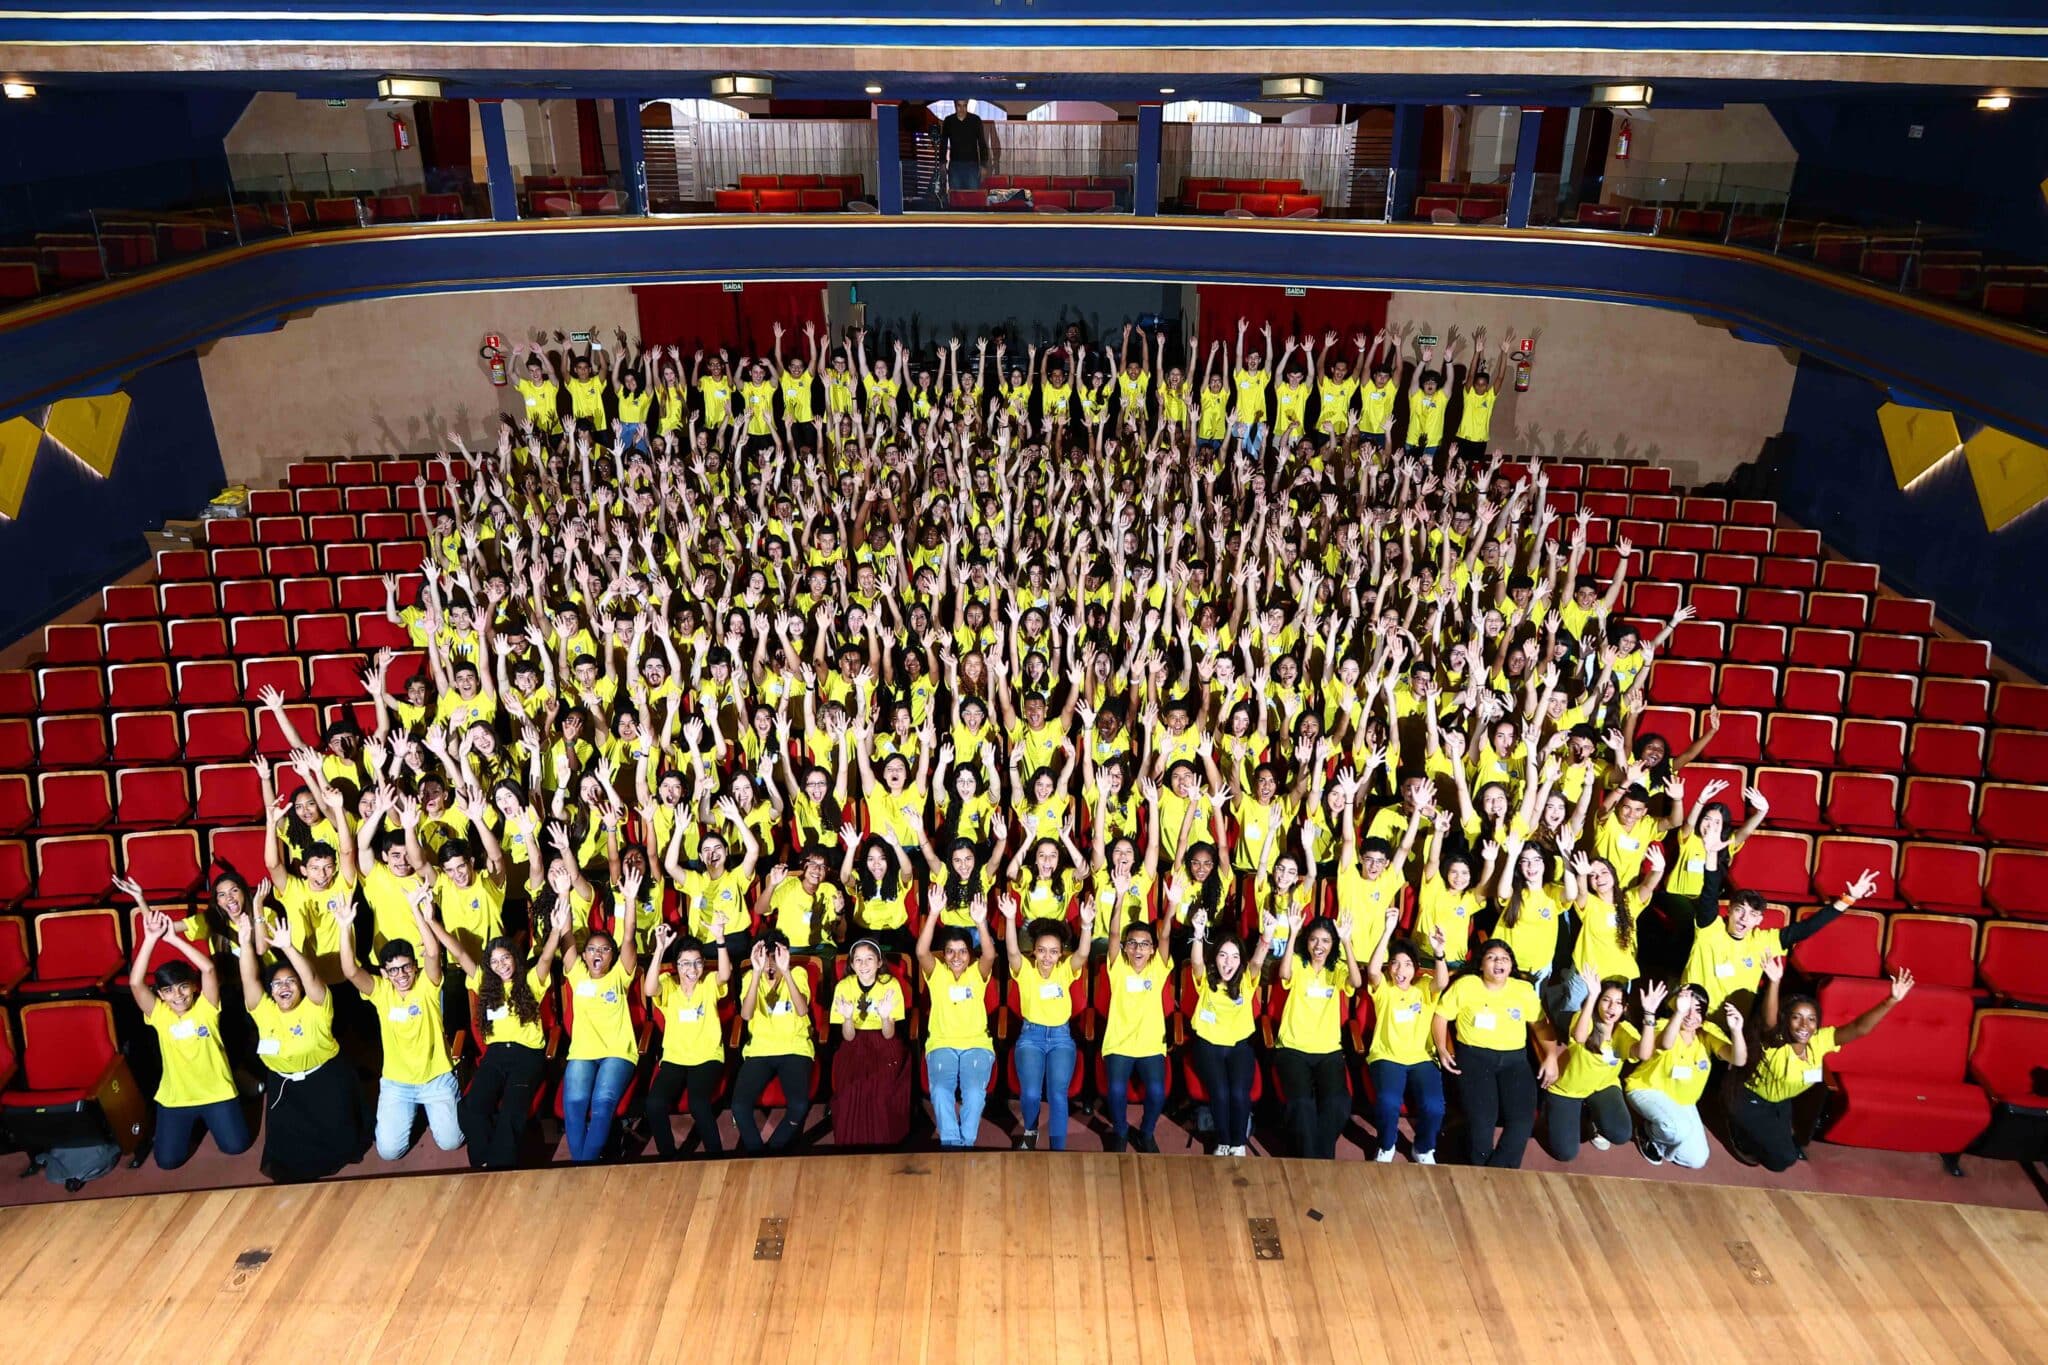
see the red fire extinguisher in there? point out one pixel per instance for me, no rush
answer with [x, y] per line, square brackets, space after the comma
[401, 136]
[493, 355]
[1521, 374]
[1622, 140]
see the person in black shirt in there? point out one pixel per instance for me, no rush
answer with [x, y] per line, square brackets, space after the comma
[963, 141]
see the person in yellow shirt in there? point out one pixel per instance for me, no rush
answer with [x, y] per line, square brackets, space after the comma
[1320, 974]
[1134, 1037]
[1212, 422]
[1427, 405]
[757, 406]
[1226, 996]
[1495, 1014]
[180, 1001]
[603, 1051]
[1402, 1059]
[1477, 394]
[505, 993]
[1791, 1051]
[540, 389]
[313, 1121]
[1589, 1078]
[776, 1005]
[1291, 393]
[1376, 400]
[1672, 1065]
[1043, 984]
[871, 1068]
[714, 389]
[692, 1037]
[1337, 386]
[1252, 377]
[877, 875]
[959, 1056]
[405, 991]
[586, 385]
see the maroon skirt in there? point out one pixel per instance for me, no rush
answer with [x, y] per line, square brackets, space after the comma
[870, 1091]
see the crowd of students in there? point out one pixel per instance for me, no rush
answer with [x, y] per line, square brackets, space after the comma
[1124, 702]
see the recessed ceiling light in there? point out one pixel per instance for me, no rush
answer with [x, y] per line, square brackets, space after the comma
[1291, 88]
[408, 88]
[873, 89]
[1166, 90]
[19, 90]
[1621, 96]
[735, 85]
[1020, 85]
[1995, 102]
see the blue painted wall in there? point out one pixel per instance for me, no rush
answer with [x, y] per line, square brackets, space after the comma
[77, 531]
[1969, 167]
[1931, 541]
[67, 151]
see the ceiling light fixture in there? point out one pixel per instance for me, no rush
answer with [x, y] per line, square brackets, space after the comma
[733, 85]
[407, 88]
[872, 89]
[1995, 103]
[1020, 85]
[1291, 88]
[19, 90]
[1166, 90]
[1621, 96]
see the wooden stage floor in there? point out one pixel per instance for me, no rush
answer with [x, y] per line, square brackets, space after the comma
[1038, 1257]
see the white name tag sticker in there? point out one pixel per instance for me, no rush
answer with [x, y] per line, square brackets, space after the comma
[782, 1007]
[1051, 990]
[960, 994]
[690, 1016]
[1607, 1057]
[1137, 985]
[1812, 1074]
[398, 1014]
[1724, 969]
[1322, 992]
[1411, 1012]
[268, 1047]
[184, 1028]
[586, 988]
[503, 1011]
[1483, 1020]
[1207, 1016]
[1681, 1070]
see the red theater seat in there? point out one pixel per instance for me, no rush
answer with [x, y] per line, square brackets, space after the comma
[1851, 946]
[2012, 961]
[1905, 1087]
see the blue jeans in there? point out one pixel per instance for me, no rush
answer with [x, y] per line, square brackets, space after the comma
[398, 1104]
[1391, 1083]
[591, 1087]
[959, 1089]
[633, 436]
[1045, 1070]
[1226, 1074]
[1251, 436]
[1116, 1074]
[178, 1125]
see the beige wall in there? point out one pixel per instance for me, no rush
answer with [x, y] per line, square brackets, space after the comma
[356, 137]
[1737, 135]
[382, 377]
[389, 375]
[1621, 382]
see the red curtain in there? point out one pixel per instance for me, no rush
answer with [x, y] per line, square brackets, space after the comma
[1310, 314]
[589, 138]
[692, 315]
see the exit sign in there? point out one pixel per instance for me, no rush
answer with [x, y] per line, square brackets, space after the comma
[337, 104]
[734, 286]
[1425, 341]
[1295, 291]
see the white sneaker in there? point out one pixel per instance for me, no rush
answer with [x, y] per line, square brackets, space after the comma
[1425, 1158]
[1384, 1157]
[1600, 1144]
[1240, 1150]
[1221, 1151]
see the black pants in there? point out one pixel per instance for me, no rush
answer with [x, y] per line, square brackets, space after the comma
[494, 1110]
[1226, 1074]
[1764, 1127]
[794, 1072]
[1318, 1101]
[1565, 1120]
[668, 1085]
[1498, 1090]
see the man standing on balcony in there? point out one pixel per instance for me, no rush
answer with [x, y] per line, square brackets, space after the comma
[963, 140]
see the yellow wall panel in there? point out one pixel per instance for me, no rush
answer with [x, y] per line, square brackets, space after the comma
[1917, 439]
[2011, 475]
[19, 440]
[90, 428]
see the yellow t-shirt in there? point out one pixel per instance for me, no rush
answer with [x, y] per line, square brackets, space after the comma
[758, 400]
[297, 1040]
[779, 1028]
[847, 1003]
[1219, 1019]
[543, 402]
[1721, 964]
[1588, 1070]
[1043, 999]
[1599, 946]
[1450, 911]
[796, 396]
[1475, 422]
[602, 1025]
[1251, 396]
[959, 1017]
[1333, 405]
[1426, 418]
[474, 914]
[309, 914]
[1495, 1019]
[1533, 936]
[690, 1035]
[1312, 1020]
[195, 1058]
[586, 397]
[1680, 1071]
[1400, 1021]
[1214, 422]
[1137, 1008]
[415, 1050]
[797, 912]
[1375, 406]
[503, 1024]
[390, 906]
[1364, 901]
[1780, 1073]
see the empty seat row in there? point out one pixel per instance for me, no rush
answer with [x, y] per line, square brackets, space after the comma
[2007, 959]
[1827, 691]
[289, 561]
[1953, 809]
[1749, 642]
[398, 473]
[84, 800]
[1794, 868]
[200, 735]
[219, 637]
[152, 602]
[1818, 741]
